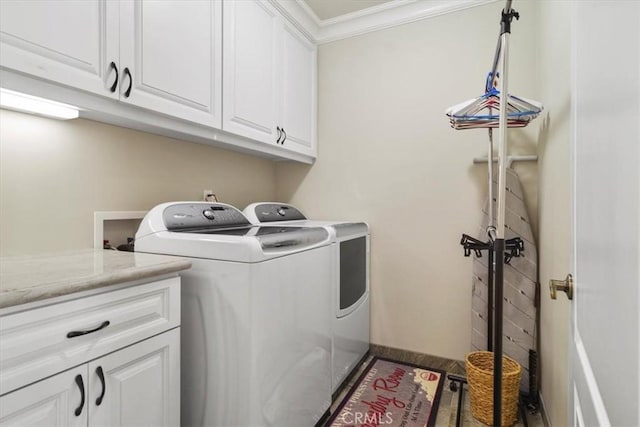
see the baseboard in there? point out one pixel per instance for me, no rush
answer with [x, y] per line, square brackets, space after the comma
[449, 365]
[543, 411]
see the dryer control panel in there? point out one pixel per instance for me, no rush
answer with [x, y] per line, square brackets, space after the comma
[271, 212]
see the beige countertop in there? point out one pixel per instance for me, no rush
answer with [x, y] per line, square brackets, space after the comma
[25, 279]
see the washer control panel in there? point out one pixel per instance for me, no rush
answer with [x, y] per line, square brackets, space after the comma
[182, 216]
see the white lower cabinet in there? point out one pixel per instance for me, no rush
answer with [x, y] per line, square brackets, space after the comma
[58, 401]
[65, 365]
[138, 385]
[135, 386]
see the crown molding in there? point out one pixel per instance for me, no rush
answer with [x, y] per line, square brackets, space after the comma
[364, 21]
[389, 15]
[370, 11]
[303, 4]
[300, 16]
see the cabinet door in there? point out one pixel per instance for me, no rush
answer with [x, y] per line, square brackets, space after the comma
[51, 402]
[67, 42]
[298, 95]
[251, 32]
[138, 385]
[170, 53]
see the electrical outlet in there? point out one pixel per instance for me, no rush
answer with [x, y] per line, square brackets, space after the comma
[209, 196]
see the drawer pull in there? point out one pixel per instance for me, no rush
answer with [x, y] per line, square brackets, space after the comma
[100, 373]
[80, 384]
[74, 334]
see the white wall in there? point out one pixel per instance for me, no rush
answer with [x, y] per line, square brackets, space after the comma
[388, 156]
[554, 209]
[55, 174]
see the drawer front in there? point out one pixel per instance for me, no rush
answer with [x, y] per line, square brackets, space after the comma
[37, 343]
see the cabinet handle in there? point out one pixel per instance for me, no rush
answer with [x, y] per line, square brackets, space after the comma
[285, 136]
[128, 91]
[279, 134]
[74, 334]
[115, 83]
[100, 373]
[80, 384]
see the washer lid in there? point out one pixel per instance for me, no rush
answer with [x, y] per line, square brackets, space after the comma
[271, 237]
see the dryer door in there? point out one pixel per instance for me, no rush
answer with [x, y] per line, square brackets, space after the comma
[353, 274]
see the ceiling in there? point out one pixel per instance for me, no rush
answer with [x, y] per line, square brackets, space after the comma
[327, 9]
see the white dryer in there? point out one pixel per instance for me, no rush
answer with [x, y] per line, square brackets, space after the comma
[256, 325]
[349, 281]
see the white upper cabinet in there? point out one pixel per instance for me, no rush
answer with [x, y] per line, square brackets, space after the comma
[164, 56]
[170, 56]
[186, 69]
[298, 94]
[251, 61]
[269, 78]
[69, 42]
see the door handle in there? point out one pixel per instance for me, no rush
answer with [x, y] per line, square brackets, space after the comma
[80, 384]
[128, 74]
[565, 286]
[115, 82]
[100, 374]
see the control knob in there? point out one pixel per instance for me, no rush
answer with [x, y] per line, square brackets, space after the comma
[208, 213]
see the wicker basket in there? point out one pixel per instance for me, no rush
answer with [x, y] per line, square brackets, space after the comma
[479, 366]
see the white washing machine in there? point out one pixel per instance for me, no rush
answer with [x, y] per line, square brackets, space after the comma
[349, 282]
[256, 324]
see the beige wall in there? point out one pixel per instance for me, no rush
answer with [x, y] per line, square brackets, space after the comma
[388, 156]
[55, 174]
[554, 209]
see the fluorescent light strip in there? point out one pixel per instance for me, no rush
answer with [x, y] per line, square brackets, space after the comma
[32, 104]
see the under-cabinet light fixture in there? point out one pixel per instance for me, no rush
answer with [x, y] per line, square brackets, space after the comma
[34, 105]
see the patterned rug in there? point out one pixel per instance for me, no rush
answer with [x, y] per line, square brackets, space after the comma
[393, 394]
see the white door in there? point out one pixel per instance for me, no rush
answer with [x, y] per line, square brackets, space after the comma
[138, 385]
[251, 64]
[170, 55]
[59, 401]
[298, 95]
[604, 379]
[73, 43]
